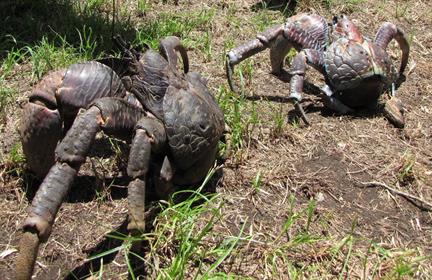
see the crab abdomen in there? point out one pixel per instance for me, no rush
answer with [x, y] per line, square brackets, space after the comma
[357, 72]
[194, 124]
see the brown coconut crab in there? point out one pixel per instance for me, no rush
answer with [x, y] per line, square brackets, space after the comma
[356, 69]
[170, 118]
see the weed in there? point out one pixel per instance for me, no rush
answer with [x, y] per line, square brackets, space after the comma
[233, 107]
[206, 46]
[182, 225]
[256, 184]
[278, 120]
[94, 4]
[401, 9]
[406, 174]
[47, 56]
[178, 24]
[16, 155]
[6, 95]
[143, 7]
[264, 19]
[13, 162]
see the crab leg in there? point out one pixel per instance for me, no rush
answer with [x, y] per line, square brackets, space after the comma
[149, 138]
[298, 70]
[113, 116]
[249, 49]
[302, 31]
[53, 105]
[387, 32]
[167, 48]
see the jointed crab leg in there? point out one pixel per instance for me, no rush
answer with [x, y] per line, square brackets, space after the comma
[298, 70]
[239, 54]
[302, 31]
[251, 48]
[167, 48]
[149, 138]
[111, 115]
[387, 32]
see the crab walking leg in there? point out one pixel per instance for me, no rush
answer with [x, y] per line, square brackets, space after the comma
[387, 32]
[149, 139]
[168, 47]
[251, 48]
[110, 114]
[53, 190]
[53, 105]
[333, 103]
[298, 70]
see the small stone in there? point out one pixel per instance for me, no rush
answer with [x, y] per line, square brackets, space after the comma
[320, 197]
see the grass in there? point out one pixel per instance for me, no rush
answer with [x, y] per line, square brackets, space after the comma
[241, 117]
[184, 243]
[181, 231]
[181, 24]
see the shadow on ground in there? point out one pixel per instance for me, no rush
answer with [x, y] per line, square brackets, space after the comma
[286, 7]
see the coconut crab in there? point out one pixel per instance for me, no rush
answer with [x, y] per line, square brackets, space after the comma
[356, 69]
[169, 117]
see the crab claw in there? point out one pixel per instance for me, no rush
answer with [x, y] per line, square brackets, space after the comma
[393, 111]
[40, 130]
[41, 127]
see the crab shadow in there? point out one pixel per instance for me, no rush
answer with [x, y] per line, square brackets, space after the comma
[104, 252]
[26, 24]
[374, 110]
[91, 185]
[286, 7]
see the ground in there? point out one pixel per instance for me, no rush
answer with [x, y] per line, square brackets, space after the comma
[291, 201]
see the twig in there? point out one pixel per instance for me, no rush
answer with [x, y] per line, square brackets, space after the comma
[420, 203]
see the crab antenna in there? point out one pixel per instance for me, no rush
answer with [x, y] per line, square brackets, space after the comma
[386, 33]
[133, 54]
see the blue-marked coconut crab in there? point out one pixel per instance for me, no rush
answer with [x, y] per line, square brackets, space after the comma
[356, 69]
[169, 117]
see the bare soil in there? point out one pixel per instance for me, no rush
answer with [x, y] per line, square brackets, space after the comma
[326, 161]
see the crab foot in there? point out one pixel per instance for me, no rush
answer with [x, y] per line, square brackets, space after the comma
[393, 110]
